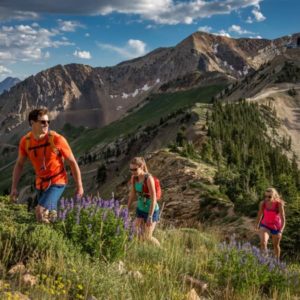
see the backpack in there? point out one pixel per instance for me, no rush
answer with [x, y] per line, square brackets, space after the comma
[157, 187]
[49, 142]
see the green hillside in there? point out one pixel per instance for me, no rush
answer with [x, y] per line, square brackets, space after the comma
[157, 107]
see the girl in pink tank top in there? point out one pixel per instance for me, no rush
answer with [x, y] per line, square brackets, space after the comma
[271, 220]
[271, 216]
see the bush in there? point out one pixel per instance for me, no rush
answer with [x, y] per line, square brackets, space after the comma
[22, 242]
[100, 228]
[242, 266]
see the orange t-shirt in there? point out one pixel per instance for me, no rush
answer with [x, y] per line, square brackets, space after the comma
[45, 161]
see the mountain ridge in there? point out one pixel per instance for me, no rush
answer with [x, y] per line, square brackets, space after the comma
[94, 97]
[7, 83]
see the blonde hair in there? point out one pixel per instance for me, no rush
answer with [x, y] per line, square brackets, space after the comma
[275, 194]
[140, 161]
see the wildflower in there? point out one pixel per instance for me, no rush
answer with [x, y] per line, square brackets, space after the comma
[104, 215]
[62, 203]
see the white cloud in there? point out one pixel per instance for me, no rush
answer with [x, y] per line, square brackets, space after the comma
[159, 11]
[249, 20]
[259, 17]
[13, 13]
[47, 54]
[150, 26]
[27, 43]
[188, 20]
[237, 29]
[4, 70]
[69, 26]
[223, 33]
[133, 48]
[256, 37]
[82, 54]
[205, 28]
[87, 35]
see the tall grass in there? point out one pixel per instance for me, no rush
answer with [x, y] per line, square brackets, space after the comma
[65, 272]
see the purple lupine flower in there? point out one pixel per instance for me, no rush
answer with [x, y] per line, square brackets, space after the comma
[126, 224]
[271, 266]
[132, 231]
[62, 203]
[111, 203]
[64, 213]
[124, 213]
[83, 202]
[71, 203]
[104, 215]
[116, 211]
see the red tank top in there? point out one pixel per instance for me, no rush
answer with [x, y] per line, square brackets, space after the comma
[271, 217]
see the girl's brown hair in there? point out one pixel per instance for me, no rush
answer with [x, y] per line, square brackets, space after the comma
[140, 161]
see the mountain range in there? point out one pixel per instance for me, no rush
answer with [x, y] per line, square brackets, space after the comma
[8, 83]
[94, 97]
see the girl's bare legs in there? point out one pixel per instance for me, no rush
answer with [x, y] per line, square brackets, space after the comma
[264, 238]
[276, 238]
[145, 233]
[149, 234]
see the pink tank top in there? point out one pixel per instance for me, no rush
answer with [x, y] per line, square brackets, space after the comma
[271, 216]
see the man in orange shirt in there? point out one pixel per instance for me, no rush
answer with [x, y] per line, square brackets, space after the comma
[47, 151]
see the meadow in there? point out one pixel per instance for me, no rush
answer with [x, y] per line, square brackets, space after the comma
[57, 261]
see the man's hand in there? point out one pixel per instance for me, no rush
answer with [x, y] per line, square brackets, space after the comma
[13, 195]
[79, 192]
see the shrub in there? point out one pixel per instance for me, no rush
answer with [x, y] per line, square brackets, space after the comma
[100, 228]
[242, 266]
[21, 242]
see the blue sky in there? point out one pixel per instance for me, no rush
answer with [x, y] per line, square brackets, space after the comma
[38, 34]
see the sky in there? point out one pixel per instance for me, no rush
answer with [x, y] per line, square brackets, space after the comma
[38, 34]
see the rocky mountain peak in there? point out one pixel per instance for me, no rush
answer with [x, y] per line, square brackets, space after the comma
[8, 83]
[93, 97]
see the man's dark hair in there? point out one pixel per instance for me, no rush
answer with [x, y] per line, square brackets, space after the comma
[36, 113]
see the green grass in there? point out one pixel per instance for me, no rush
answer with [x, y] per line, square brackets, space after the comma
[160, 105]
[65, 273]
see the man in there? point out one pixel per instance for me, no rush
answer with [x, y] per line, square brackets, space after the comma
[47, 151]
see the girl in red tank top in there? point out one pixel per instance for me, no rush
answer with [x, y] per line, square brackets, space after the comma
[271, 220]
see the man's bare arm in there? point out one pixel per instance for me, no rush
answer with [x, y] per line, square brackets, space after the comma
[76, 174]
[18, 168]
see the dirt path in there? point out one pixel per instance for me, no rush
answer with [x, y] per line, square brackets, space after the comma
[271, 91]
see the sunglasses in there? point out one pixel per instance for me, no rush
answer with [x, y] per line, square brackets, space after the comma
[133, 170]
[44, 122]
[268, 197]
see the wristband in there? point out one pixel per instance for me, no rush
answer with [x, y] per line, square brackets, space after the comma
[150, 218]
